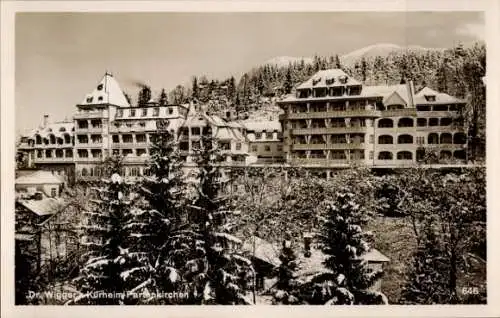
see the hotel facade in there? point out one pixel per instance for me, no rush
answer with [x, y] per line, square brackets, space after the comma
[332, 121]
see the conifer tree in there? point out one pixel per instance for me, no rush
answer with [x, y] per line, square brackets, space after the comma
[144, 96]
[288, 82]
[219, 274]
[288, 287]
[337, 62]
[104, 238]
[195, 88]
[347, 278]
[163, 99]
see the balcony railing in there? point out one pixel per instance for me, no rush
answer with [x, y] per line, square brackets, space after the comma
[53, 160]
[321, 162]
[449, 129]
[328, 146]
[336, 114]
[424, 114]
[331, 130]
[90, 114]
[399, 112]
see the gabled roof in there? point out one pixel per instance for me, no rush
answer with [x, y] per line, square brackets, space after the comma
[38, 177]
[319, 79]
[264, 250]
[386, 91]
[420, 97]
[108, 91]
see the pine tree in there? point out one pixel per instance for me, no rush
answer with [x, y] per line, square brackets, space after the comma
[364, 69]
[288, 288]
[347, 278]
[163, 99]
[428, 282]
[219, 274]
[288, 82]
[128, 98]
[144, 96]
[337, 62]
[154, 264]
[104, 239]
[195, 94]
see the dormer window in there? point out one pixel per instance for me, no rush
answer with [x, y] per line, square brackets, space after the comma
[119, 113]
[430, 98]
[343, 79]
[316, 81]
[330, 81]
[99, 87]
[100, 98]
[62, 129]
[90, 99]
[132, 113]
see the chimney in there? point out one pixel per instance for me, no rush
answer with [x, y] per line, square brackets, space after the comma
[45, 121]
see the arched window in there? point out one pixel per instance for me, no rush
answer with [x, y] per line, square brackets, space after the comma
[445, 138]
[385, 140]
[60, 141]
[445, 155]
[385, 155]
[405, 122]
[38, 139]
[62, 129]
[433, 139]
[421, 122]
[459, 139]
[385, 123]
[405, 139]
[405, 155]
[84, 172]
[67, 138]
[52, 139]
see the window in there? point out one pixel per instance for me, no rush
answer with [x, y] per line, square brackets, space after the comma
[38, 139]
[39, 154]
[96, 153]
[421, 122]
[127, 152]
[405, 122]
[385, 123]
[385, 140]
[459, 139]
[433, 122]
[129, 125]
[116, 152]
[254, 148]
[142, 124]
[170, 110]
[371, 139]
[238, 146]
[100, 98]
[83, 153]
[420, 140]
[96, 139]
[90, 99]
[371, 155]
[430, 98]
[446, 121]
[184, 146]
[267, 148]
[144, 112]
[141, 152]
[48, 153]
[100, 87]
[119, 113]
[116, 139]
[195, 131]
[132, 113]
[83, 124]
[62, 129]
[67, 139]
[82, 139]
[269, 135]
[258, 135]
[127, 138]
[225, 145]
[53, 192]
[445, 138]
[405, 139]
[405, 155]
[59, 153]
[385, 155]
[156, 111]
[140, 138]
[280, 148]
[69, 153]
[433, 139]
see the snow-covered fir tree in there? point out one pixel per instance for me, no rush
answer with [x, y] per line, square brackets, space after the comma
[219, 274]
[103, 241]
[288, 287]
[346, 278]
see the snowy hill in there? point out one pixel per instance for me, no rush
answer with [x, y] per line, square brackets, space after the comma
[286, 60]
[381, 49]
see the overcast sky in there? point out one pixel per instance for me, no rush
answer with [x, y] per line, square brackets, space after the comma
[60, 57]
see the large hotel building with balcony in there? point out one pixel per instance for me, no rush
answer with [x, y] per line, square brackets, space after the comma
[332, 121]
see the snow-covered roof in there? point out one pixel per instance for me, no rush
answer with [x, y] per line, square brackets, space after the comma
[440, 98]
[43, 207]
[108, 91]
[263, 250]
[38, 177]
[386, 91]
[319, 79]
[57, 129]
[266, 125]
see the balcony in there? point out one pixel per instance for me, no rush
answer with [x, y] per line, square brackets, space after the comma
[336, 114]
[331, 130]
[90, 114]
[448, 129]
[437, 114]
[400, 112]
[89, 130]
[54, 160]
[328, 146]
[321, 162]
